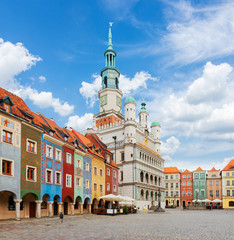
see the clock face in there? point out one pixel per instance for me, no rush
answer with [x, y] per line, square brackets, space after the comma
[111, 75]
[103, 100]
[119, 101]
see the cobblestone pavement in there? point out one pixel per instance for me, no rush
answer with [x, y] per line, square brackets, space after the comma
[173, 224]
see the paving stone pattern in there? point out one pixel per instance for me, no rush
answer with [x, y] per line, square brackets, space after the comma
[173, 224]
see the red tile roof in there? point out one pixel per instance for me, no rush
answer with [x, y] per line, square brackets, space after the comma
[213, 169]
[230, 166]
[199, 169]
[171, 170]
[186, 171]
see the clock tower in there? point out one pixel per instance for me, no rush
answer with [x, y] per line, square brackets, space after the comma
[110, 96]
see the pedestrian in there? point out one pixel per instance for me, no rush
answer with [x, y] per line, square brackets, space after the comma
[61, 217]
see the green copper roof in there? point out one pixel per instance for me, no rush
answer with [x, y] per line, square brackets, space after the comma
[155, 123]
[143, 104]
[130, 99]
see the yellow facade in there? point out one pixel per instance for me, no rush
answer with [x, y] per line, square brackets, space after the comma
[98, 178]
[228, 189]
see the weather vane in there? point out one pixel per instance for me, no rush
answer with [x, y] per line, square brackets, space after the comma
[111, 23]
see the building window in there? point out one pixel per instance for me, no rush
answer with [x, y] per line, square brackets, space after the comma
[95, 170]
[95, 187]
[68, 180]
[121, 176]
[184, 176]
[232, 182]
[211, 193]
[228, 193]
[122, 156]
[184, 184]
[233, 192]
[31, 173]
[166, 185]
[49, 151]
[189, 176]
[101, 172]
[7, 136]
[217, 193]
[87, 184]
[196, 176]
[31, 146]
[228, 182]
[69, 158]
[48, 176]
[114, 174]
[78, 163]
[108, 187]
[87, 167]
[177, 176]
[202, 183]
[210, 183]
[228, 174]
[166, 194]
[171, 185]
[7, 167]
[232, 173]
[78, 182]
[184, 193]
[114, 188]
[171, 176]
[101, 188]
[171, 193]
[202, 193]
[166, 177]
[6, 107]
[189, 193]
[177, 193]
[177, 185]
[217, 183]
[202, 175]
[108, 158]
[58, 178]
[108, 172]
[189, 183]
[58, 155]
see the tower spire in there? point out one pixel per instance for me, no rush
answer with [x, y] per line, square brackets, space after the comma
[110, 46]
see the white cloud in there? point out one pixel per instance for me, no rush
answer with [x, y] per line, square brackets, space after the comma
[15, 59]
[203, 110]
[42, 79]
[170, 146]
[196, 34]
[80, 123]
[90, 90]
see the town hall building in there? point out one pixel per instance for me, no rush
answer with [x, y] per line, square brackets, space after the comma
[135, 147]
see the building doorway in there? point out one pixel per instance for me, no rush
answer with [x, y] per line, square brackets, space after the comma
[184, 203]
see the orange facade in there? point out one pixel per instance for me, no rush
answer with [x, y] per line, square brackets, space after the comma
[107, 120]
[186, 188]
[214, 184]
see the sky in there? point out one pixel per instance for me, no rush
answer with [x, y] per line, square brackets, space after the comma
[176, 55]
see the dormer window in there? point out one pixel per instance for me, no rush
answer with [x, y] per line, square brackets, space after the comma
[51, 133]
[7, 107]
[65, 138]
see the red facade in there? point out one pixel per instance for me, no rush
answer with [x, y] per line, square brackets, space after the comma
[186, 188]
[68, 169]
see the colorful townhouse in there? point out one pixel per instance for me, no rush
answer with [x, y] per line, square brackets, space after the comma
[172, 186]
[30, 167]
[214, 184]
[10, 155]
[228, 185]
[87, 171]
[111, 169]
[199, 184]
[186, 188]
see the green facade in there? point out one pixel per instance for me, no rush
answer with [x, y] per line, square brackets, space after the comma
[78, 190]
[199, 185]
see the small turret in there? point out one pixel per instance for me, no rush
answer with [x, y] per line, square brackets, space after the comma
[155, 130]
[143, 115]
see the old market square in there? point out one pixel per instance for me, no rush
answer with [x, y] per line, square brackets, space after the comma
[173, 224]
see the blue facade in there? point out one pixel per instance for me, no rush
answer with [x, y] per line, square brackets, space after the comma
[87, 175]
[51, 189]
[11, 152]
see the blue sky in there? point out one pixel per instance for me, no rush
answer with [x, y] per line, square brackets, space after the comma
[177, 55]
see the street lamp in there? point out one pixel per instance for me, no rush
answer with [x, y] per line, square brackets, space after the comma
[114, 137]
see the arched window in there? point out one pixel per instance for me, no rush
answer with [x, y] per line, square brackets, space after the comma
[147, 178]
[142, 194]
[105, 82]
[147, 195]
[117, 83]
[142, 176]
